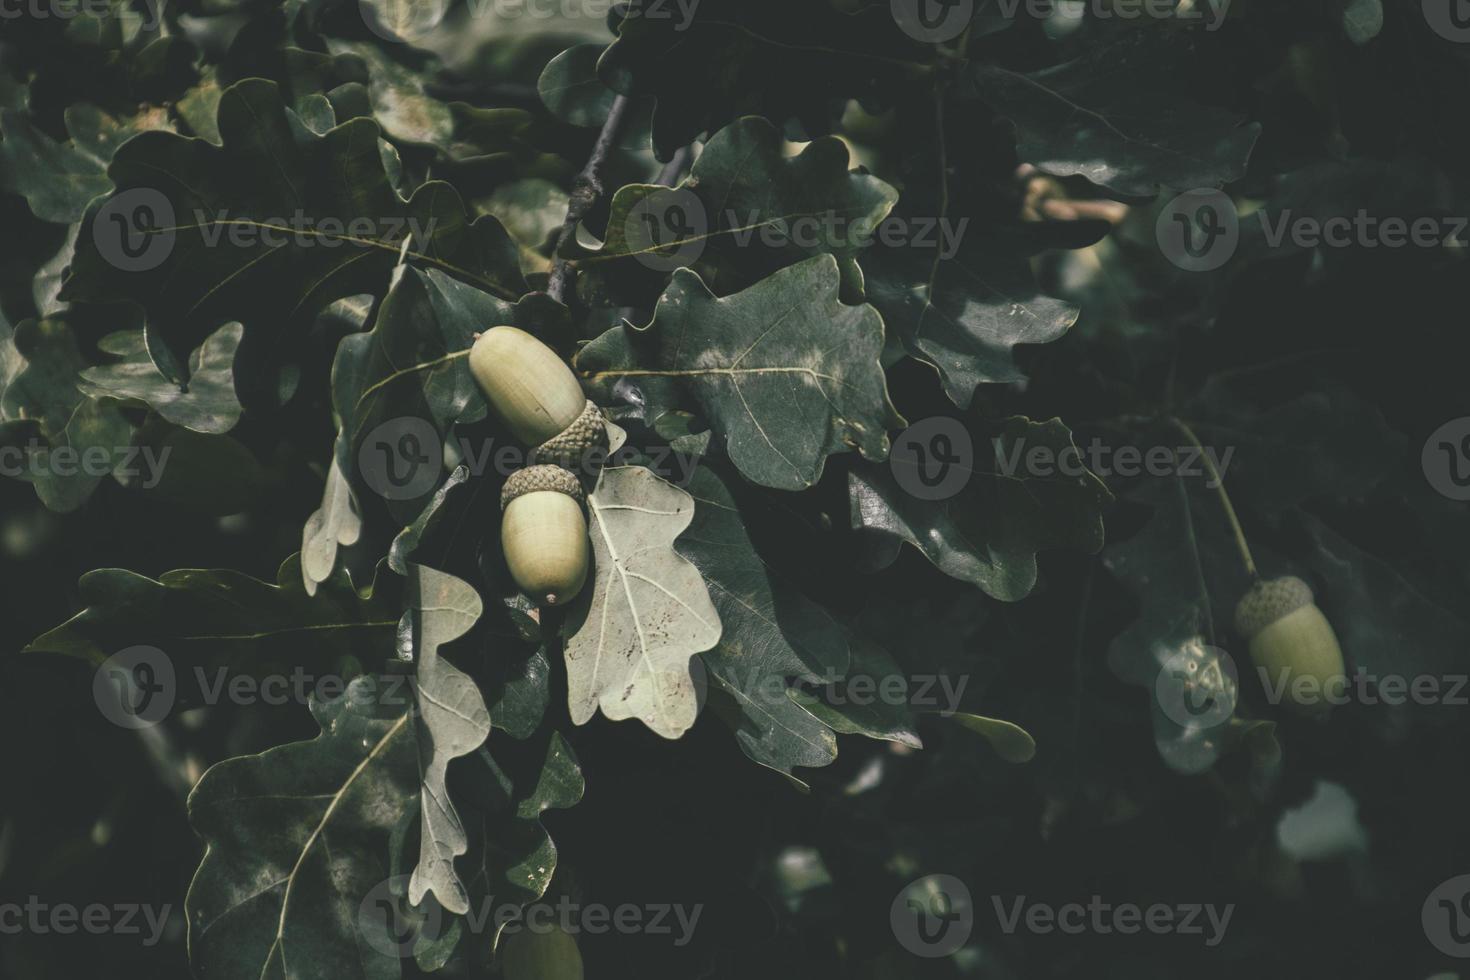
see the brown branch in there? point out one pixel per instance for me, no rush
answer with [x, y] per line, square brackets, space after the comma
[585, 192]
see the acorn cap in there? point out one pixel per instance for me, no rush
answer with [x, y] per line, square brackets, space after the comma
[533, 479]
[1269, 600]
[566, 448]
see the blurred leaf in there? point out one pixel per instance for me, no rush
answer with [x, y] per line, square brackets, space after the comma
[1109, 117]
[989, 533]
[273, 896]
[206, 403]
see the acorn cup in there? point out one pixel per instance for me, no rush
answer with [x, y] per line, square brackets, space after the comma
[1293, 644]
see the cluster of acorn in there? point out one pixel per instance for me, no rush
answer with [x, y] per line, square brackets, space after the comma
[542, 529]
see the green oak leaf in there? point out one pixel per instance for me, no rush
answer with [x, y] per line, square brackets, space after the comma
[570, 89]
[748, 193]
[58, 180]
[1113, 116]
[630, 642]
[206, 403]
[771, 633]
[270, 226]
[82, 438]
[209, 621]
[711, 62]
[783, 371]
[295, 879]
[450, 720]
[964, 313]
[512, 856]
[401, 104]
[989, 532]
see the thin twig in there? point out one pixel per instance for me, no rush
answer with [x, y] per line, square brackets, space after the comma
[1240, 542]
[585, 193]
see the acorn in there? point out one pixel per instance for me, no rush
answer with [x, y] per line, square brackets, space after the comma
[543, 533]
[528, 384]
[1292, 643]
[551, 955]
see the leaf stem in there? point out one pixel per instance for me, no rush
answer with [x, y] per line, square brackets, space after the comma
[1219, 481]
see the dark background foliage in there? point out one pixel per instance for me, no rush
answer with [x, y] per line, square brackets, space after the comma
[1326, 368]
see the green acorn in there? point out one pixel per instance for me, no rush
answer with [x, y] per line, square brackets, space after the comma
[1292, 643]
[543, 533]
[528, 384]
[530, 955]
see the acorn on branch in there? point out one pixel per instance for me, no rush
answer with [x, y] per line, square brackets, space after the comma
[543, 533]
[527, 383]
[1292, 643]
